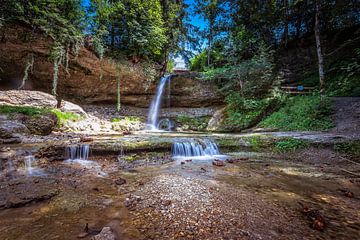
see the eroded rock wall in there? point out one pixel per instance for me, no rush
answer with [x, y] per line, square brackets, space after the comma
[89, 79]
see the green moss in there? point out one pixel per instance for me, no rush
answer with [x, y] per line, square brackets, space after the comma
[29, 111]
[290, 144]
[126, 119]
[304, 113]
[63, 117]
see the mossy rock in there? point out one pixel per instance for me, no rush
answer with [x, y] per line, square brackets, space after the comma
[42, 124]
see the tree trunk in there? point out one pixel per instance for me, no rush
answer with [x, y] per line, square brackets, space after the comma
[318, 50]
[209, 48]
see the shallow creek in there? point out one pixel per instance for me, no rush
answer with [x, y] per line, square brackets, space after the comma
[255, 197]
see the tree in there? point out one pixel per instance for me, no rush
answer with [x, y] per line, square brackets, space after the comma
[210, 10]
[318, 49]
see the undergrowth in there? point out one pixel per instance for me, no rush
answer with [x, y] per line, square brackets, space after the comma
[63, 117]
[301, 113]
[291, 144]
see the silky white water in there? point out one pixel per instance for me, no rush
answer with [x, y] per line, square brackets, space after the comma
[196, 149]
[153, 117]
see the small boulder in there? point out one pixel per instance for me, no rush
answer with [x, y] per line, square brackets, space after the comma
[41, 124]
[120, 181]
[105, 234]
[73, 108]
[218, 163]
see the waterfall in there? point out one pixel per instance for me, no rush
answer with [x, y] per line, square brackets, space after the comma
[81, 152]
[28, 164]
[30, 169]
[191, 148]
[153, 118]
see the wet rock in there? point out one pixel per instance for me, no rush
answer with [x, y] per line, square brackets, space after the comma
[86, 139]
[9, 128]
[51, 153]
[42, 124]
[218, 163]
[120, 181]
[132, 201]
[230, 160]
[15, 201]
[347, 193]
[105, 234]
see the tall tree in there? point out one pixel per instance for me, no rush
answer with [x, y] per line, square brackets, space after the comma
[318, 48]
[210, 11]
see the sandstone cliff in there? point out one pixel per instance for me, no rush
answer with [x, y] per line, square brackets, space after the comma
[89, 80]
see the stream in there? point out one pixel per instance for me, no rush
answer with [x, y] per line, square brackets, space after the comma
[256, 195]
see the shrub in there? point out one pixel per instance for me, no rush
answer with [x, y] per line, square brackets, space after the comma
[241, 113]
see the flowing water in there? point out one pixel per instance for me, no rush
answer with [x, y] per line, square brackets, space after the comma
[196, 149]
[153, 118]
[30, 168]
[80, 152]
[79, 155]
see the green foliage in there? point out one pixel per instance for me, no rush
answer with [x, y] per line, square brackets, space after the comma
[301, 113]
[351, 148]
[126, 119]
[290, 144]
[192, 123]
[255, 143]
[199, 62]
[241, 112]
[170, 66]
[252, 78]
[345, 81]
[132, 26]
[29, 111]
[63, 117]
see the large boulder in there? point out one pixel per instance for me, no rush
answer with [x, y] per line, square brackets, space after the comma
[27, 98]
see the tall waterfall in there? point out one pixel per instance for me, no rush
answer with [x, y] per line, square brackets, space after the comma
[153, 118]
[195, 148]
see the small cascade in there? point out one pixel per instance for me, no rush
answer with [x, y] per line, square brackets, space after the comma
[192, 148]
[120, 155]
[153, 118]
[29, 164]
[80, 152]
[79, 155]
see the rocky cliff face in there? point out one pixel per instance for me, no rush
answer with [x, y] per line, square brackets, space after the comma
[89, 79]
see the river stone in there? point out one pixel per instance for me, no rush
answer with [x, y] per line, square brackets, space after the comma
[105, 234]
[27, 98]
